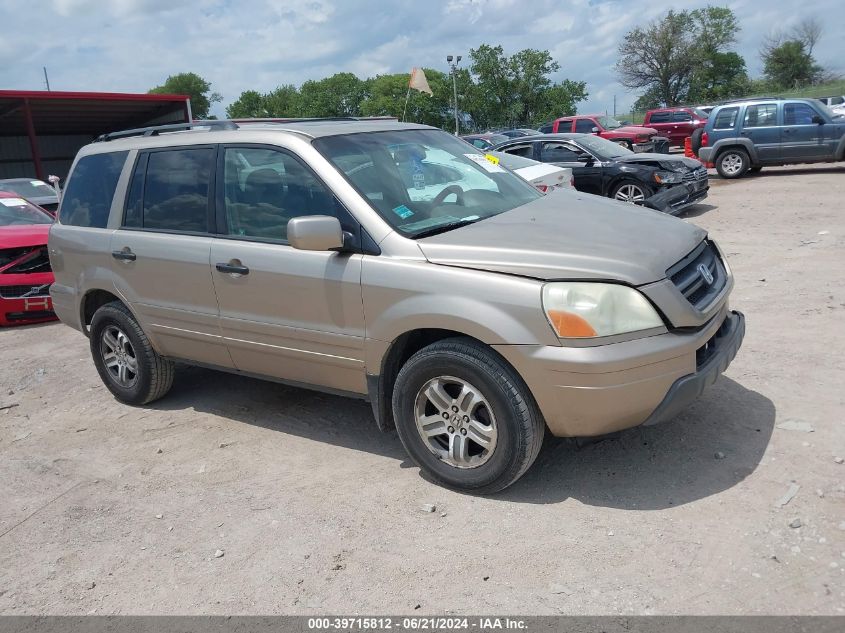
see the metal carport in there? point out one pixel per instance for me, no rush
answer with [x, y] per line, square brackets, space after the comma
[41, 131]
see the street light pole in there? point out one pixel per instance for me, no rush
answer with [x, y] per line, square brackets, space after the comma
[453, 67]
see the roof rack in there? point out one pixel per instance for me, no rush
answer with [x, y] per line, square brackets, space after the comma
[753, 99]
[224, 124]
[155, 130]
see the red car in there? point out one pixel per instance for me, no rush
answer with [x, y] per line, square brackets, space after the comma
[676, 123]
[25, 273]
[634, 137]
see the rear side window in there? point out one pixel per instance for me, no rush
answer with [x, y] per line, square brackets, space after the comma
[526, 151]
[170, 190]
[660, 117]
[558, 153]
[546, 128]
[87, 198]
[762, 115]
[680, 116]
[725, 119]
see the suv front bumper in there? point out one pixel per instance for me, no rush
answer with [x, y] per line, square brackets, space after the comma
[587, 391]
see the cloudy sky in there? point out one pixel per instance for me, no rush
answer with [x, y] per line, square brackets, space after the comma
[132, 45]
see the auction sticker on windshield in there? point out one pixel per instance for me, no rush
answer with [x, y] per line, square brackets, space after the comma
[485, 162]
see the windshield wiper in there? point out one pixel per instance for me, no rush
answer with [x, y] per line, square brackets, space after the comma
[442, 228]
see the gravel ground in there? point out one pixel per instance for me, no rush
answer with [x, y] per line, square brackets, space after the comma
[110, 509]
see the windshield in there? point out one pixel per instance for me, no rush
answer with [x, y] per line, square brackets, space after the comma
[28, 188]
[422, 180]
[829, 111]
[608, 122]
[17, 211]
[602, 148]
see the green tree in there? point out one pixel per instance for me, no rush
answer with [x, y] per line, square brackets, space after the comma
[284, 101]
[195, 87]
[249, 105]
[683, 56]
[338, 95]
[387, 94]
[788, 64]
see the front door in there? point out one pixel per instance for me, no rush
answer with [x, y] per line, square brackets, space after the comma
[760, 125]
[160, 254]
[803, 139]
[291, 314]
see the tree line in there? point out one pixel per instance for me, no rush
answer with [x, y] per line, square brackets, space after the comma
[682, 57]
[494, 90]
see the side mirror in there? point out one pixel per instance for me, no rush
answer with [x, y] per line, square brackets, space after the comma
[585, 158]
[595, 130]
[818, 119]
[315, 233]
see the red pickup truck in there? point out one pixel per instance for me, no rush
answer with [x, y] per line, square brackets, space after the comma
[639, 139]
[676, 123]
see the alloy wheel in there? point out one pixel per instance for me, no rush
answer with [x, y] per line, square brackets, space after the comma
[732, 164]
[630, 193]
[455, 422]
[119, 356]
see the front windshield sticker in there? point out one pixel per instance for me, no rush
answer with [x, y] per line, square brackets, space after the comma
[13, 202]
[485, 163]
[37, 183]
[492, 158]
[403, 212]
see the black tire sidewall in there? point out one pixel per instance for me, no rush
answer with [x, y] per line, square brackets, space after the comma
[111, 315]
[746, 163]
[695, 140]
[495, 387]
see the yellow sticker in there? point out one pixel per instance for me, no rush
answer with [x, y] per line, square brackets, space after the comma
[492, 158]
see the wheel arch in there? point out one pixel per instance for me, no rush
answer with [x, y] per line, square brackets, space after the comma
[93, 300]
[735, 143]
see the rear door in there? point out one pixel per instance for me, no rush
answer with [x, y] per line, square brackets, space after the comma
[760, 124]
[803, 139]
[661, 120]
[682, 127]
[292, 314]
[587, 176]
[161, 253]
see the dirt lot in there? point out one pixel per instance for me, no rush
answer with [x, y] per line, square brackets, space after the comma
[109, 509]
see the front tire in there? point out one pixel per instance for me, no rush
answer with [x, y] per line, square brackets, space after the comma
[125, 359]
[733, 163]
[631, 191]
[465, 417]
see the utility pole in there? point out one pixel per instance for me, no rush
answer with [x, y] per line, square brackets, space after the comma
[453, 68]
[46, 80]
[614, 106]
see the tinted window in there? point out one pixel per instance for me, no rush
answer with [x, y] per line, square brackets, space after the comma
[265, 188]
[761, 115]
[558, 153]
[546, 128]
[526, 151]
[660, 117]
[87, 198]
[798, 114]
[176, 188]
[584, 125]
[725, 119]
[680, 116]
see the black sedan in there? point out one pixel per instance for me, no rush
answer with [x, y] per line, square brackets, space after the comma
[661, 181]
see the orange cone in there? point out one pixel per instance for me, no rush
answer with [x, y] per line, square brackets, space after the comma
[688, 153]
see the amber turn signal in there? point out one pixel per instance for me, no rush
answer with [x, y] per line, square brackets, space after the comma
[568, 325]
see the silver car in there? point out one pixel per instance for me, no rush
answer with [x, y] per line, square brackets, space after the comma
[390, 262]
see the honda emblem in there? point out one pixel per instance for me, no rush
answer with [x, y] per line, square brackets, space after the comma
[706, 275]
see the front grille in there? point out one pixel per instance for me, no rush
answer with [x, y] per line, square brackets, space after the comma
[30, 259]
[700, 173]
[703, 353]
[31, 315]
[19, 292]
[689, 277]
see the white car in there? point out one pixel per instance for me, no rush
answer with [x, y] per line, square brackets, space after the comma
[544, 176]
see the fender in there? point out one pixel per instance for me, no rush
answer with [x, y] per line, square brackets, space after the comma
[744, 143]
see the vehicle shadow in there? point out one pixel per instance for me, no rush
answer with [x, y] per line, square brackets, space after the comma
[773, 172]
[645, 468]
[710, 447]
[696, 210]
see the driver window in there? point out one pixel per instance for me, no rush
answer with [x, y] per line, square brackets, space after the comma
[559, 153]
[584, 125]
[264, 188]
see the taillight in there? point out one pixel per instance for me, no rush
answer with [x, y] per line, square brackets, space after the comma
[704, 139]
[543, 188]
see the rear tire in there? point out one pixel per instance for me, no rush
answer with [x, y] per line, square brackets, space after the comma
[732, 163]
[465, 417]
[125, 359]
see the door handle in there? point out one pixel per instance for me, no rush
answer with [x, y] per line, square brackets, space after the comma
[125, 255]
[232, 268]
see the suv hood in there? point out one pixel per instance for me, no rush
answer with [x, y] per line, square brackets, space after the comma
[569, 235]
[649, 157]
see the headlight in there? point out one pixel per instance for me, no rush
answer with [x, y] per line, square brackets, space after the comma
[587, 310]
[668, 177]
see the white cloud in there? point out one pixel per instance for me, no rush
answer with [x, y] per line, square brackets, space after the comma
[133, 45]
